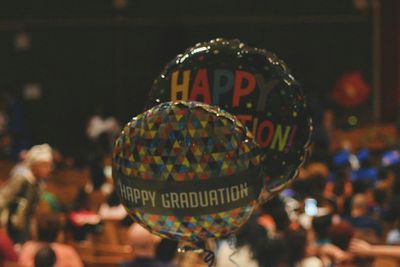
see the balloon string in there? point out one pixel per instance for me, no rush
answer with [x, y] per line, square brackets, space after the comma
[231, 243]
[209, 258]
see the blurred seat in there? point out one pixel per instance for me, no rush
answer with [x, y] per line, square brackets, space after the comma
[123, 251]
[122, 234]
[66, 183]
[65, 193]
[103, 261]
[385, 262]
[110, 233]
[99, 254]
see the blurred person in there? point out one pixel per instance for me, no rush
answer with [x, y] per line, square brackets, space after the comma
[312, 186]
[359, 217]
[360, 247]
[332, 255]
[49, 202]
[342, 189]
[393, 215]
[102, 132]
[273, 216]
[82, 212]
[360, 186]
[314, 211]
[97, 175]
[386, 179]
[305, 252]
[45, 257]
[340, 234]
[379, 203]
[313, 247]
[396, 184]
[144, 246]
[19, 197]
[316, 168]
[321, 225]
[48, 231]
[253, 248]
[299, 252]
[112, 208]
[81, 219]
[166, 251]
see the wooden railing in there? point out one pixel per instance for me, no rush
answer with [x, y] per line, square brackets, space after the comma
[375, 137]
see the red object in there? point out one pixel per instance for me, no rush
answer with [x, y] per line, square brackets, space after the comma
[351, 90]
[82, 217]
[7, 252]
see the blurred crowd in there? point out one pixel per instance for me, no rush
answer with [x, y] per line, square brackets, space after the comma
[63, 210]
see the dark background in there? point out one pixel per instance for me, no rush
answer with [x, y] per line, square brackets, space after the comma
[90, 56]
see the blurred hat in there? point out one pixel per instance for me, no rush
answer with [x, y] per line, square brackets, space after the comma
[39, 153]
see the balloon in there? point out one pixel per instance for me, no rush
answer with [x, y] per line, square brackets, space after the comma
[351, 90]
[256, 87]
[187, 171]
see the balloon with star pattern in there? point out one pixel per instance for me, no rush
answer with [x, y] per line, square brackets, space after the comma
[255, 86]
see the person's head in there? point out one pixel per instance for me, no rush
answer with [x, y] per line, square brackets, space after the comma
[142, 241]
[265, 250]
[113, 199]
[329, 204]
[250, 232]
[40, 160]
[321, 225]
[166, 250]
[276, 209]
[49, 227]
[340, 234]
[393, 212]
[359, 205]
[297, 245]
[45, 257]
[380, 196]
[97, 175]
[360, 186]
[316, 186]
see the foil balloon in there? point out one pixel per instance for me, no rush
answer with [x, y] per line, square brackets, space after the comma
[187, 171]
[256, 87]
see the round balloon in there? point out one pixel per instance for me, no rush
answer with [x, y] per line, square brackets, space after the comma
[256, 87]
[187, 171]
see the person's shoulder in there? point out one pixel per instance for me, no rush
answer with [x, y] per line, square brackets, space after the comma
[28, 249]
[16, 179]
[63, 248]
[29, 244]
